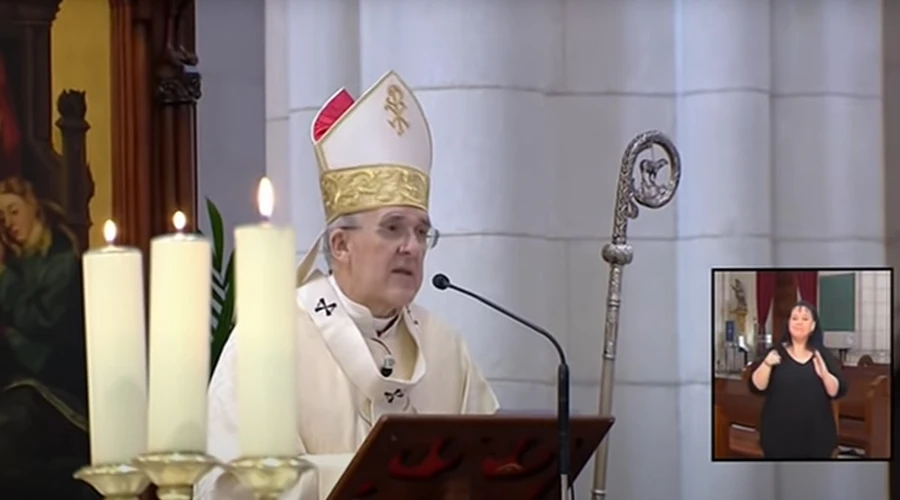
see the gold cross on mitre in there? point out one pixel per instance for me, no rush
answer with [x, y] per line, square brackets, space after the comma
[373, 152]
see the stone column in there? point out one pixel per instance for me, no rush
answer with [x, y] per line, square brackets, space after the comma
[724, 217]
[481, 70]
[323, 56]
[829, 173]
[311, 52]
[891, 105]
[618, 80]
[230, 124]
[276, 106]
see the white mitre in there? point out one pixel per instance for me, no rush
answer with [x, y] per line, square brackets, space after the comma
[372, 153]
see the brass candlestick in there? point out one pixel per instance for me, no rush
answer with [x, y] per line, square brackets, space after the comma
[267, 477]
[174, 474]
[114, 482]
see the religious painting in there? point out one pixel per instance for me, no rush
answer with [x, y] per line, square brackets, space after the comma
[55, 183]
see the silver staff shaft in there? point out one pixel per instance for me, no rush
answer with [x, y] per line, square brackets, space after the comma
[630, 193]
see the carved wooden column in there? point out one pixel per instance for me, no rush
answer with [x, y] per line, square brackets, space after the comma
[154, 97]
[132, 139]
[176, 93]
[75, 183]
[785, 299]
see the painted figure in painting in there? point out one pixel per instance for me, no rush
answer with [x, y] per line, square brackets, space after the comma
[42, 417]
[43, 436]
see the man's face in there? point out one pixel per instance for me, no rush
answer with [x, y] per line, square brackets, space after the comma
[384, 256]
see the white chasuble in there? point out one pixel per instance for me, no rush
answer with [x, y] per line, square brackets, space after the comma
[342, 389]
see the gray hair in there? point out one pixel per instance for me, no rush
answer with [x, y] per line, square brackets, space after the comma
[339, 223]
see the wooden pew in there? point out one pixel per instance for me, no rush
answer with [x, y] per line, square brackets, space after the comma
[864, 412]
[866, 361]
[736, 414]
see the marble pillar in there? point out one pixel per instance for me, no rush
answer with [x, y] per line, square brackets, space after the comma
[277, 132]
[828, 161]
[481, 71]
[723, 209]
[230, 120]
[311, 52]
[618, 80]
[323, 56]
[891, 106]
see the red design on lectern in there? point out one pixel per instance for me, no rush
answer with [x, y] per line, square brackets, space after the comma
[526, 459]
[429, 466]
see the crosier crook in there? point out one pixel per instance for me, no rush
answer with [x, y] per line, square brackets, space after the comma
[618, 253]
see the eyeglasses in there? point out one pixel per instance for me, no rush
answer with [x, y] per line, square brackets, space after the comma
[427, 236]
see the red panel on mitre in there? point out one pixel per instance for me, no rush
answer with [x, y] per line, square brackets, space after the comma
[333, 110]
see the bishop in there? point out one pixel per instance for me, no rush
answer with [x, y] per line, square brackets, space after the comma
[365, 348]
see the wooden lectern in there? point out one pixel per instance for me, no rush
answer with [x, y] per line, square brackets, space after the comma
[492, 457]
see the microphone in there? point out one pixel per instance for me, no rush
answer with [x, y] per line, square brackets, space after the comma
[442, 282]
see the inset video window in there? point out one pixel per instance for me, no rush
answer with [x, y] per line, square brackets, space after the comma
[802, 364]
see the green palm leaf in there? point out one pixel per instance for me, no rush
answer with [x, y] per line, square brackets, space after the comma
[222, 307]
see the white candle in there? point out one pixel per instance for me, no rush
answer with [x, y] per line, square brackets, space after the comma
[180, 267]
[266, 340]
[116, 350]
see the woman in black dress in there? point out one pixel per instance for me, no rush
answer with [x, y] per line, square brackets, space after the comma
[798, 378]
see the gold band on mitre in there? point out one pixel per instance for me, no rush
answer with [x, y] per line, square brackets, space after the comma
[350, 190]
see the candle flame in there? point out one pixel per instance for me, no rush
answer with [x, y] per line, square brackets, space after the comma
[109, 232]
[179, 220]
[265, 197]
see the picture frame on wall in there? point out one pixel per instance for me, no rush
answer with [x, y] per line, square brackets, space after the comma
[96, 122]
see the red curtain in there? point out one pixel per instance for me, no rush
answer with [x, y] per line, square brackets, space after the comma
[808, 285]
[765, 295]
[10, 135]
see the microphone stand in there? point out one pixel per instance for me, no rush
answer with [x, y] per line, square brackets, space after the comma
[563, 417]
